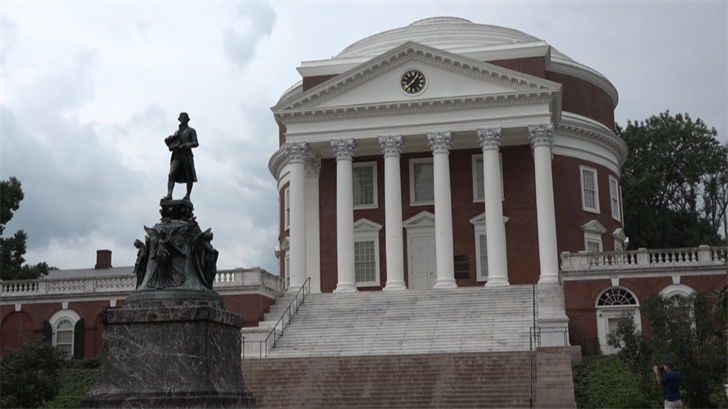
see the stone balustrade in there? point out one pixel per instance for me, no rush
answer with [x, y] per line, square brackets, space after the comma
[703, 256]
[226, 281]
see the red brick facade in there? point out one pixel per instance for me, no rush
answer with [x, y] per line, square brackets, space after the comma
[29, 320]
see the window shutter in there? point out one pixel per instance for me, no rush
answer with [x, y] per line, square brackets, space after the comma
[78, 336]
[48, 332]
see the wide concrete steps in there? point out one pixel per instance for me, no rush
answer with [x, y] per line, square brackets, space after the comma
[473, 319]
[473, 380]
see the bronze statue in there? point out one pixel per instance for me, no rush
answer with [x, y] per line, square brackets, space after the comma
[182, 164]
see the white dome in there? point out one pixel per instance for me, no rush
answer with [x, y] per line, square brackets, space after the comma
[445, 33]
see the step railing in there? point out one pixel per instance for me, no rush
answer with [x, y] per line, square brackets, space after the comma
[290, 311]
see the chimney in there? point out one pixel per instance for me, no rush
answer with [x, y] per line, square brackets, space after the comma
[103, 259]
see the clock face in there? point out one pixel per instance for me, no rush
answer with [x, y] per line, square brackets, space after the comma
[413, 81]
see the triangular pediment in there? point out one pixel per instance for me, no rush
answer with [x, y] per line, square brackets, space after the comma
[451, 79]
[594, 226]
[421, 219]
[480, 219]
[366, 225]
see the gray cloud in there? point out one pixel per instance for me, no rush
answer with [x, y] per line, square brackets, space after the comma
[251, 22]
[8, 37]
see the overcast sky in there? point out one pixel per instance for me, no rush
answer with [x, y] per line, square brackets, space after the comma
[89, 90]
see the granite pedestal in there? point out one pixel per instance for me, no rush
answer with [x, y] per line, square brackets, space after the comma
[167, 354]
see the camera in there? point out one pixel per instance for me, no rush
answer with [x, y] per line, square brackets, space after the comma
[660, 369]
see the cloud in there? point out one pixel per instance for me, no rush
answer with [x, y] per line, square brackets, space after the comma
[251, 22]
[8, 37]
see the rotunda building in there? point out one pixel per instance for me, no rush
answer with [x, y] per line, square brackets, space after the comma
[445, 154]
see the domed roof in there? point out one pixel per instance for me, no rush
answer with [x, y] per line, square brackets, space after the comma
[445, 33]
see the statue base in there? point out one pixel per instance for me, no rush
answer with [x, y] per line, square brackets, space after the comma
[170, 354]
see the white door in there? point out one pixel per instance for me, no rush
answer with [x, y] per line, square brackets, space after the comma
[423, 261]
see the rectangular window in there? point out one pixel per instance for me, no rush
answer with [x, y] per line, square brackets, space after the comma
[589, 189]
[614, 197]
[365, 263]
[479, 178]
[422, 181]
[618, 245]
[365, 184]
[287, 208]
[593, 246]
[482, 257]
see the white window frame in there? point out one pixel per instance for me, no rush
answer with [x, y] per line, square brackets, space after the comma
[287, 208]
[60, 316]
[614, 198]
[368, 231]
[676, 289]
[474, 162]
[606, 312]
[412, 181]
[375, 199]
[584, 207]
[593, 231]
[478, 222]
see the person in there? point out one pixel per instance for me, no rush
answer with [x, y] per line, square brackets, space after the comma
[182, 164]
[670, 383]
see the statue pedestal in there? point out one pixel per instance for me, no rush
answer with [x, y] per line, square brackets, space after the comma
[170, 354]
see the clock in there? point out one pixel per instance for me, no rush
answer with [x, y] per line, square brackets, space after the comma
[413, 81]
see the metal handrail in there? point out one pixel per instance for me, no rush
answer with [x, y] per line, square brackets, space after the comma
[306, 284]
[530, 365]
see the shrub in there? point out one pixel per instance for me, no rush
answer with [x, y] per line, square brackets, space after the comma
[605, 381]
[76, 382]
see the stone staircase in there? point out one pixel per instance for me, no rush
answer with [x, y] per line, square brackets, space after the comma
[471, 319]
[469, 380]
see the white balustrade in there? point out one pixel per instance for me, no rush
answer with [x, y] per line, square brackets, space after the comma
[230, 280]
[643, 259]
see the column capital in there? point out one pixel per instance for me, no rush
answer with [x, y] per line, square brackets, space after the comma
[391, 145]
[541, 135]
[490, 138]
[440, 142]
[296, 152]
[313, 166]
[343, 148]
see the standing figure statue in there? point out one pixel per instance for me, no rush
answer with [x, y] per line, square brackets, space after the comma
[182, 167]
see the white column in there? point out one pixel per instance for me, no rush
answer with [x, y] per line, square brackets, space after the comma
[297, 153]
[495, 230]
[313, 233]
[344, 151]
[440, 144]
[542, 139]
[391, 148]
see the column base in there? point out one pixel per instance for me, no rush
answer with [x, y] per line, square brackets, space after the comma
[398, 285]
[550, 278]
[497, 282]
[346, 288]
[445, 283]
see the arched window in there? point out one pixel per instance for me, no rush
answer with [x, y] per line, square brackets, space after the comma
[65, 331]
[63, 337]
[611, 306]
[616, 296]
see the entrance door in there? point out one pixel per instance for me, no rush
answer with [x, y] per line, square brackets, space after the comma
[423, 261]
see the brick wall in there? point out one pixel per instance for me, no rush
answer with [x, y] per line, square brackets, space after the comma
[584, 98]
[310, 82]
[250, 306]
[581, 297]
[568, 204]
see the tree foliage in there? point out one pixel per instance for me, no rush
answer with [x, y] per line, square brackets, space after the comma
[605, 381]
[31, 374]
[686, 331]
[12, 249]
[674, 182]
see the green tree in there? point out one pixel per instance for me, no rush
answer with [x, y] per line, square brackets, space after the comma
[686, 331]
[674, 182]
[31, 374]
[12, 249]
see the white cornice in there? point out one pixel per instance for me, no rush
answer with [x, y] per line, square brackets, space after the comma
[582, 126]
